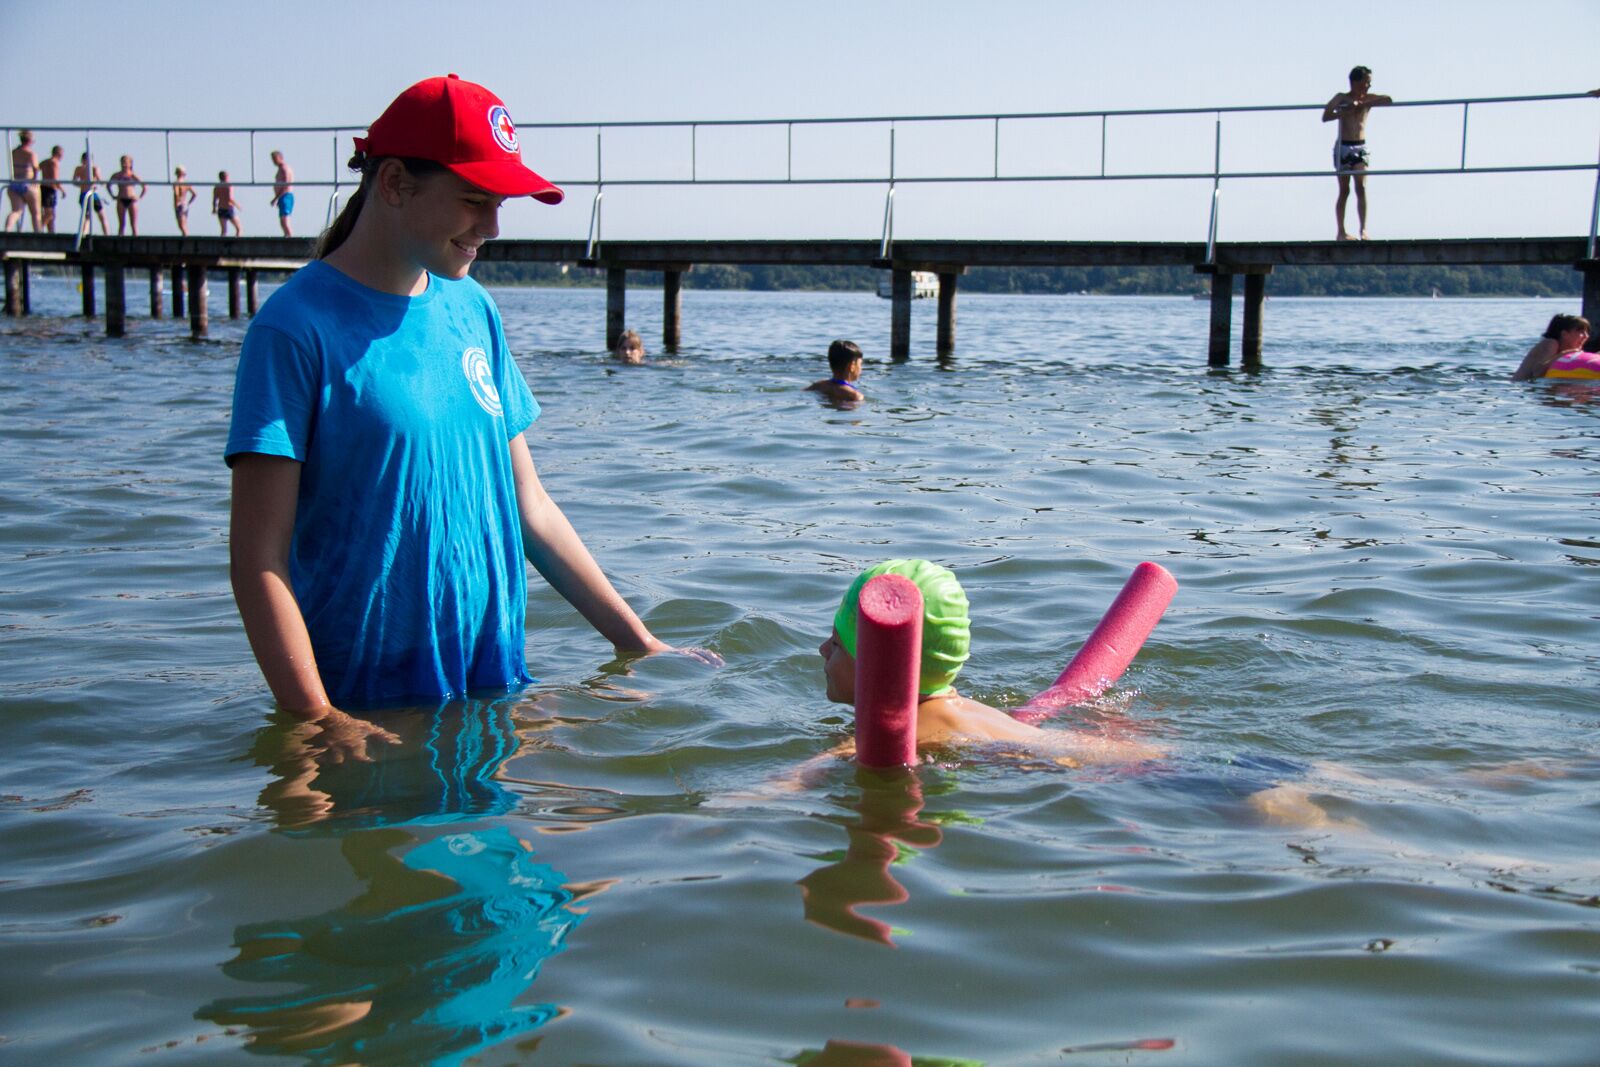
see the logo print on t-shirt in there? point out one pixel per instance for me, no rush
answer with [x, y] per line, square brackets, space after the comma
[505, 134]
[475, 365]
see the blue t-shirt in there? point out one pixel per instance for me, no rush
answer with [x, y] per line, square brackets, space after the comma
[407, 551]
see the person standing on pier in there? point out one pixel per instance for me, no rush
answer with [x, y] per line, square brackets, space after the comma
[20, 190]
[122, 184]
[384, 496]
[50, 189]
[224, 206]
[87, 178]
[283, 192]
[1350, 157]
[183, 195]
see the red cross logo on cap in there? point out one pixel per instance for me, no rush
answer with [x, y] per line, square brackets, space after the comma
[505, 133]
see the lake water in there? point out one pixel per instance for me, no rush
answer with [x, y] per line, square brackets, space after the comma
[1390, 569]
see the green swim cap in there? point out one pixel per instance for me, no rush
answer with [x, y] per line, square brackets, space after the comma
[946, 633]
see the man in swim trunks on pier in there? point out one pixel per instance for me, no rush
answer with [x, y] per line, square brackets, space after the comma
[1350, 157]
[224, 206]
[87, 178]
[283, 192]
[19, 190]
[50, 189]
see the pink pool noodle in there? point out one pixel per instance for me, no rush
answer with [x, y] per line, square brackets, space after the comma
[888, 665]
[1112, 646]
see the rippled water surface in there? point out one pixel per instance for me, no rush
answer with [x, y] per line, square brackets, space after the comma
[1390, 570]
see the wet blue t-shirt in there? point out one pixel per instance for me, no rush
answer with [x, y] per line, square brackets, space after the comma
[407, 552]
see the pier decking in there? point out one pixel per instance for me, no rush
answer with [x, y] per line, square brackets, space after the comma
[190, 260]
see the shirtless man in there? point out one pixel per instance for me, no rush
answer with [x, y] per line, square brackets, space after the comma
[1350, 150]
[224, 206]
[87, 180]
[122, 185]
[50, 189]
[283, 192]
[24, 168]
[183, 195]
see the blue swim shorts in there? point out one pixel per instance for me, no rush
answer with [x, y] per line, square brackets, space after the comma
[286, 204]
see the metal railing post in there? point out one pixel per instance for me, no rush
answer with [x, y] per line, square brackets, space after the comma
[1464, 109]
[1216, 196]
[694, 153]
[1103, 118]
[1594, 215]
[599, 191]
[252, 157]
[888, 204]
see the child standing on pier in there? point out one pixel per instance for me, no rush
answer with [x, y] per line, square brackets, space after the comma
[224, 206]
[384, 497]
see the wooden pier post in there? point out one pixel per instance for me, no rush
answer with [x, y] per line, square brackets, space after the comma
[946, 343]
[616, 305]
[1221, 315]
[178, 273]
[1255, 294]
[86, 287]
[116, 300]
[900, 315]
[14, 271]
[156, 307]
[671, 309]
[233, 292]
[199, 321]
[251, 293]
[1591, 300]
[27, 290]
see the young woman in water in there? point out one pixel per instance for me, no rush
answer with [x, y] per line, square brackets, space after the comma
[1566, 333]
[383, 494]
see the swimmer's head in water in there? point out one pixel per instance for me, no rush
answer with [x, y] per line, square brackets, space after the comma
[946, 630]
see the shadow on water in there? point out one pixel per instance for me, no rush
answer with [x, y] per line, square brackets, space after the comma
[431, 962]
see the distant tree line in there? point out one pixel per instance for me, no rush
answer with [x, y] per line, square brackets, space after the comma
[1544, 281]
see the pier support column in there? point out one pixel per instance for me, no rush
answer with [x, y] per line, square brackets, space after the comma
[14, 270]
[671, 309]
[178, 272]
[86, 287]
[1221, 315]
[27, 290]
[156, 307]
[116, 300]
[616, 305]
[233, 292]
[199, 321]
[251, 292]
[1255, 294]
[946, 343]
[900, 315]
[1591, 299]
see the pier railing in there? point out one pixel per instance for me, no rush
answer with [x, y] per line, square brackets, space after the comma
[889, 174]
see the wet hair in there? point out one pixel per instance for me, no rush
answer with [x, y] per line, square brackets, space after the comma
[841, 354]
[24, 136]
[628, 339]
[336, 234]
[1360, 74]
[1560, 324]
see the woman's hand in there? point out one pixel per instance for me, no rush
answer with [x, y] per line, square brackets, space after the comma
[340, 736]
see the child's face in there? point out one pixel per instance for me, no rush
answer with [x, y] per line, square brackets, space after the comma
[1573, 338]
[838, 670]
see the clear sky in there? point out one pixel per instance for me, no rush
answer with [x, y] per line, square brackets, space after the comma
[338, 62]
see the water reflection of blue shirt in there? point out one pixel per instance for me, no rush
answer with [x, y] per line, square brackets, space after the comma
[407, 550]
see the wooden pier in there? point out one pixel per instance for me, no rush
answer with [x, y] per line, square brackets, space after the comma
[190, 261]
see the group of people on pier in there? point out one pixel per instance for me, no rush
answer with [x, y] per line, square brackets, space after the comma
[36, 188]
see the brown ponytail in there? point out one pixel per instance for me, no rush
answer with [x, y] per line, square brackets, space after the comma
[336, 234]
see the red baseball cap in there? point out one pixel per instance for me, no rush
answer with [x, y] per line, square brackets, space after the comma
[465, 128]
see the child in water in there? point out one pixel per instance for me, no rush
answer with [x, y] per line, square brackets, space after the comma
[944, 716]
[1566, 333]
[844, 360]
